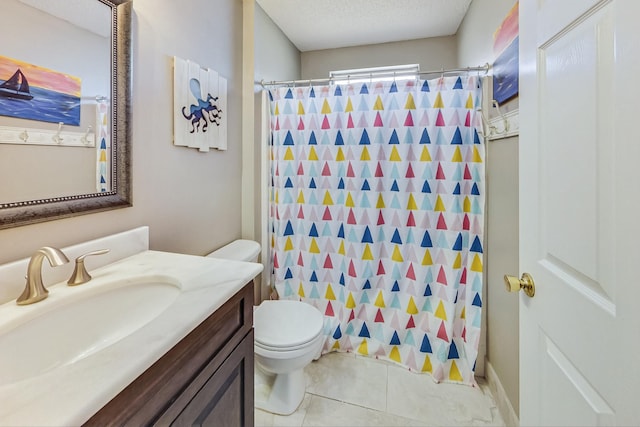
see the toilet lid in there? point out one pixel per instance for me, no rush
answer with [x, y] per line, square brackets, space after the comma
[258, 344]
[284, 324]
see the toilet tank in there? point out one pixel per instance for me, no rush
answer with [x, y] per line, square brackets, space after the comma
[238, 250]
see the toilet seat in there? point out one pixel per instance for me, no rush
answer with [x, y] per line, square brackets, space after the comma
[283, 325]
[264, 346]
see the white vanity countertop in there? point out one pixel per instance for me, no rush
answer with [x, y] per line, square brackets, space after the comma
[70, 395]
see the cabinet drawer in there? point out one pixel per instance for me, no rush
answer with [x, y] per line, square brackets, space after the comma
[178, 371]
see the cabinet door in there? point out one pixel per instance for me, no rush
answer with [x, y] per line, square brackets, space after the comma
[226, 399]
[160, 394]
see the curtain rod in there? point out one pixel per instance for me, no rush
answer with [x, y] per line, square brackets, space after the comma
[442, 71]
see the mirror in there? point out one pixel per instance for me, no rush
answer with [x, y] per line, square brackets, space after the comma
[72, 158]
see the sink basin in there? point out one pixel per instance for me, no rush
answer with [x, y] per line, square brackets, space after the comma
[65, 357]
[61, 331]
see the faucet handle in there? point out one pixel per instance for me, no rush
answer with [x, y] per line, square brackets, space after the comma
[80, 274]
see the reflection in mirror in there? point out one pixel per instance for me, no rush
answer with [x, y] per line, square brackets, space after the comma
[64, 107]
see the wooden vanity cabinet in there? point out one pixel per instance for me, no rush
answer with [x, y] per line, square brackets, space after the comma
[205, 380]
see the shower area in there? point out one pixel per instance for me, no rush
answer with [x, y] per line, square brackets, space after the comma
[385, 206]
[376, 214]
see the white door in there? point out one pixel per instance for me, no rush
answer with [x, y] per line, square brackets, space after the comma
[580, 212]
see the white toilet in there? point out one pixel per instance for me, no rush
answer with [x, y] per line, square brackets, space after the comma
[288, 336]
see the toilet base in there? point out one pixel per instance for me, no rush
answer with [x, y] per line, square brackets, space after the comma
[278, 393]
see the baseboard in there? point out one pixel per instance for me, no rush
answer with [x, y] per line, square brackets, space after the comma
[502, 400]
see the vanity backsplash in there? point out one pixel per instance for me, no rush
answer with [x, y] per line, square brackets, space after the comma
[120, 245]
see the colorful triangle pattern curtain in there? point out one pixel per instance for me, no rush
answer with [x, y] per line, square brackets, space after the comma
[376, 215]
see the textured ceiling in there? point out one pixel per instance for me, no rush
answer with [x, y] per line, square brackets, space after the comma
[328, 24]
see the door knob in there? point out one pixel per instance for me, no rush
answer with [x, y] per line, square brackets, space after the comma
[525, 283]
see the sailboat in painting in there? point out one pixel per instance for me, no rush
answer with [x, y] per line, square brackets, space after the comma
[16, 87]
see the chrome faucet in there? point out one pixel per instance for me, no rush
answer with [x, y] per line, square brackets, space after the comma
[34, 290]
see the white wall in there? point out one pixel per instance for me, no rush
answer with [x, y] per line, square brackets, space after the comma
[502, 258]
[475, 46]
[432, 54]
[190, 200]
[276, 58]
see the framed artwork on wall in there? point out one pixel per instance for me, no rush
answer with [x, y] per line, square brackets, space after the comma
[199, 106]
[28, 91]
[505, 66]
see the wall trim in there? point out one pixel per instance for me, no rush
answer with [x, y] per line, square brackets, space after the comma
[502, 400]
[248, 203]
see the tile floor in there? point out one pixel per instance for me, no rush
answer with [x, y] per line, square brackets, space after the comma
[348, 390]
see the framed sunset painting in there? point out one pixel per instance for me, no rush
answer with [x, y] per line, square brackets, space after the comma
[28, 91]
[505, 66]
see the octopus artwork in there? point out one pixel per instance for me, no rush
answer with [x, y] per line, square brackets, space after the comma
[204, 112]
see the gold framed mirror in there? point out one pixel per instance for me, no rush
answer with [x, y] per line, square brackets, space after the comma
[33, 170]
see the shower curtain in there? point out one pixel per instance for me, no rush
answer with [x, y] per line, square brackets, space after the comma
[376, 217]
